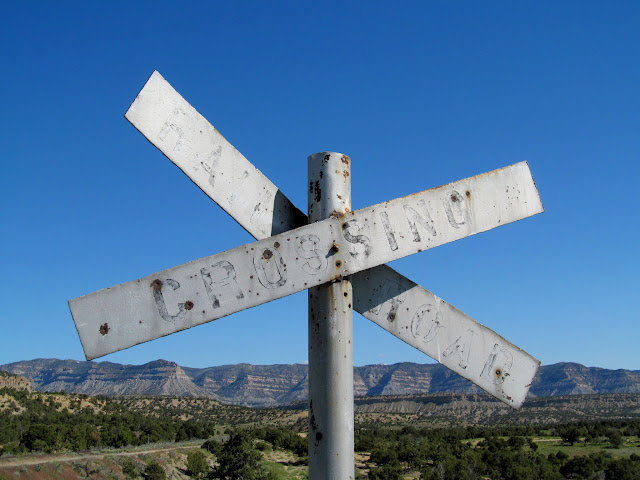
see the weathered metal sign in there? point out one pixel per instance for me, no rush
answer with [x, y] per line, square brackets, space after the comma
[457, 341]
[246, 276]
[381, 294]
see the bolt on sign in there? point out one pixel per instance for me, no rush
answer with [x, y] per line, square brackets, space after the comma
[291, 255]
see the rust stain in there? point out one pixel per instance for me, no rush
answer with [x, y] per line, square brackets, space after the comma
[276, 245]
[467, 193]
[188, 304]
[345, 159]
[317, 191]
[337, 214]
[104, 329]
[156, 285]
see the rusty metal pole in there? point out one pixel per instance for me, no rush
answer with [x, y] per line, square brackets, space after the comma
[330, 330]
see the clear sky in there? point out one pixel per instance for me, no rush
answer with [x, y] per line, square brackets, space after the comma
[418, 94]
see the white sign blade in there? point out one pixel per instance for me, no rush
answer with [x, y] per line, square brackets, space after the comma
[428, 323]
[246, 276]
[170, 123]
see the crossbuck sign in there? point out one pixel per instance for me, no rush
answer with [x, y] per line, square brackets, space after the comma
[291, 254]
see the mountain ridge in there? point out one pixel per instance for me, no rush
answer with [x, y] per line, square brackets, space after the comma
[283, 384]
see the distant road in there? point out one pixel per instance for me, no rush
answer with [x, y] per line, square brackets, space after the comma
[35, 459]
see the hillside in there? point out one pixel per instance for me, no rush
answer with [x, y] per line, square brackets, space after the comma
[272, 385]
[461, 409]
[8, 380]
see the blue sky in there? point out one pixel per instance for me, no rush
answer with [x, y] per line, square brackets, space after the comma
[418, 94]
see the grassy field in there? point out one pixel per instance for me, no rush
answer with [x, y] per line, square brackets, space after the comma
[553, 445]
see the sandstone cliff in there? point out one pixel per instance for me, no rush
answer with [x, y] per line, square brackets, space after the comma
[270, 385]
[16, 382]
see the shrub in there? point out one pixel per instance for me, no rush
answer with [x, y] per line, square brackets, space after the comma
[197, 465]
[154, 471]
[129, 468]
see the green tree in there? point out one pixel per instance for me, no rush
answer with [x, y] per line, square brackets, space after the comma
[154, 471]
[517, 443]
[129, 468]
[615, 437]
[384, 455]
[571, 433]
[212, 446]
[386, 472]
[197, 465]
[623, 469]
[40, 437]
[579, 467]
[239, 459]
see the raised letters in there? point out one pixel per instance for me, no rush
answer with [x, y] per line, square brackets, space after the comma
[426, 322]
[172, 124]
[220, 281]
[161, 306]
[461, 347]
[390, 288]
[456, 209]
[356, 239]
[391, 238]
[498, 365]
[414, 217]
[306, 248]
[270, 268]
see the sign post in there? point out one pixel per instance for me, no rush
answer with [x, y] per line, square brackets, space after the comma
[170, 123]
[330, 333]
[338, 246]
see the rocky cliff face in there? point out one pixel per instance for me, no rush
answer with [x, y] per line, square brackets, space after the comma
[270, 385]
[16, 382]
[245, 384]
[106, 378]
[408, 379]
[576, 379]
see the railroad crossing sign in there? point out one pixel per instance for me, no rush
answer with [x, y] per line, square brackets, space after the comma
[291, 255]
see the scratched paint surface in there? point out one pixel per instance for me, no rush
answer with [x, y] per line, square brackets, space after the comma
[246, 276]
[446, 334]
[171, 124]
[193, 139]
